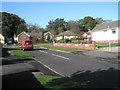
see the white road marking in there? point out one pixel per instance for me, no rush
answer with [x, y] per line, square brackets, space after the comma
[60, 56]
[55, 55]
[49, 68]
[43, 51]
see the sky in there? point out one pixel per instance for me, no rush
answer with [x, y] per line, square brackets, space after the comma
[42, 12]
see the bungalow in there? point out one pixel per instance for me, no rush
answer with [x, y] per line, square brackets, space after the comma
[67, 35]
[2, 39]
[48, 34]
[28, 36]
[87, 35]
[106, 32]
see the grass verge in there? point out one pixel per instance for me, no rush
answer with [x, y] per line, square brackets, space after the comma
[57, 82]
[61, 49]
[20, 53]
[117, 60]
[101, 45]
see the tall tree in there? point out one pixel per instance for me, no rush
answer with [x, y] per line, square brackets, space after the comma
[21, 27]
[34, 28]
[58, 25]
[99, 20]
[88, 23]
[74, 26]
[10, 23]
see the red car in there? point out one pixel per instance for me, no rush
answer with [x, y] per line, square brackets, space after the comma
[26, 45]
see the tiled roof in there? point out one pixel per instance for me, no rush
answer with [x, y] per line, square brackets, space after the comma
[106, 25]
[67, 33]
[35, 34]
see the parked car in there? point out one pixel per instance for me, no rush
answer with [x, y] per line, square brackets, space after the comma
[26, 45]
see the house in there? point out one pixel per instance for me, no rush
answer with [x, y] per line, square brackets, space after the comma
[28, 36]
[87, 35]
[106, 32]
[35, 37]
[67, 35]
[2, 39]
[50, 35]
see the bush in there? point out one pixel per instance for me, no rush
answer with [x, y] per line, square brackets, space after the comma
[67, 41]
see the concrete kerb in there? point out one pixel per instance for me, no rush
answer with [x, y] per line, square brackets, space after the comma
[49, 68]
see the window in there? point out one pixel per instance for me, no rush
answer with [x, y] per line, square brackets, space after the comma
[23, 37]
[113, 31]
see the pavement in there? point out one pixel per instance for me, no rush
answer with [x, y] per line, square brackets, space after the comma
[20, 72]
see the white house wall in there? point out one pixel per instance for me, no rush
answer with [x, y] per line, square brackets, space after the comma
[2, 39]
[68, 37]
[101, 35]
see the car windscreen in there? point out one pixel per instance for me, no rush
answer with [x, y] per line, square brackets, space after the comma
[28, 42]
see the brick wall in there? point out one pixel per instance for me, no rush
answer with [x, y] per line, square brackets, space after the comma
[78, 46]
[20, 38]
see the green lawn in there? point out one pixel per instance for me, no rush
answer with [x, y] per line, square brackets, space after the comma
[101, 45]
[61, 49]
[20, 53]
[117, 60]
[57, 82]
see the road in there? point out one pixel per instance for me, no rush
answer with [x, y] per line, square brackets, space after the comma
[68, 64]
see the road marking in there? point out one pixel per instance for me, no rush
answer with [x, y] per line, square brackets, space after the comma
[43, 51]
[60, 56]
[49, 68]
[55, 55]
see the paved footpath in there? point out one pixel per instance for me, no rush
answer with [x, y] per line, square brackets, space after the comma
[20, 72]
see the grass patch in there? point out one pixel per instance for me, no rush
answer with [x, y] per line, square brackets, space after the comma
[101, 45]
[61, 49]
[117, 60]
[20, 53]
[57, 82]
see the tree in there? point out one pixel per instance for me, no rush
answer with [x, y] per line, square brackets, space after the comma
[21, 28]
[58, 25]
[10, 23]
[88, 23]
[48, 37]
[99, 20]
[34, 28]
[74, 26]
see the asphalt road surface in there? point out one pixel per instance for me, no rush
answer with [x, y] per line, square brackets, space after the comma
[68, 64]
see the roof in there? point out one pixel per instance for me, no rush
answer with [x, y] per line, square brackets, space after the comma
[1, 36]
[31, 34]
[35, 34]
[106, 25]
[47, 33]
[67, 33]
[22, 33]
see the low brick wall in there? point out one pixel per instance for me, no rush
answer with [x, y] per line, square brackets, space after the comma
[78, 46]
